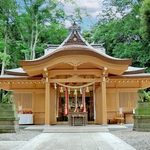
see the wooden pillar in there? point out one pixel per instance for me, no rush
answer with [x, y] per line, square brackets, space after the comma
[47, 102]
[103, 101]
[101, 109]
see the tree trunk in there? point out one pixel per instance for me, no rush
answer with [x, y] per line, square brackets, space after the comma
[5, 51]
[34, 40]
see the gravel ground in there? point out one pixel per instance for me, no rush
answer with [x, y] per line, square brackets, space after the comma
[139, 140]
[20, 136]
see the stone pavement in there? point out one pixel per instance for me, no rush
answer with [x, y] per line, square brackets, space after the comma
[87, 140]
[75, 141]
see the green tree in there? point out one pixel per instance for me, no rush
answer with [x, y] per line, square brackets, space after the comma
[7, 15]
[27, 26]
[88, 35]
[32, 23]
[38, 18]
[145, 20]
[121, 36]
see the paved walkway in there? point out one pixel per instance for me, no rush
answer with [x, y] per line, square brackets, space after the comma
[102, 140]
[75, 141]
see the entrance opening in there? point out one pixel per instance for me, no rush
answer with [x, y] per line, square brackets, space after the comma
[89, 103]
[61, 109]
[90, 108]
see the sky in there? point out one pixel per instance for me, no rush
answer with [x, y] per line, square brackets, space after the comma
[93, 7]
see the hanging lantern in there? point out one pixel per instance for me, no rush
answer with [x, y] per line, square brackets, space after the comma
[75, 92]
[87, 89]
[61, 89]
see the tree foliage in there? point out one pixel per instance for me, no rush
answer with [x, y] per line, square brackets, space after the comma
[145, 20]
[7, 16]
[88, 35]
[27, 26]
[121, 36]
[38, 17]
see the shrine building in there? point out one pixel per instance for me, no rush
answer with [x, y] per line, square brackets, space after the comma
[75, 77]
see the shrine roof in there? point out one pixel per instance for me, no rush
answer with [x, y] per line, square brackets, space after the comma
[17, 77]
[134, 70]
[13, 77]
[20, 72]
[74, 38]
[75, 44]
[140, 75]
[16, 71]
[75, 50]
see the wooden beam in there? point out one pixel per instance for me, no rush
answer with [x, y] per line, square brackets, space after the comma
[95, 72]
[75, 80]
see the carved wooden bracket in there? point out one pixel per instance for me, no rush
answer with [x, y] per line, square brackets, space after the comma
[74, 63]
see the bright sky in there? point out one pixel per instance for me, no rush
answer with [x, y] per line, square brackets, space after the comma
[93, 7]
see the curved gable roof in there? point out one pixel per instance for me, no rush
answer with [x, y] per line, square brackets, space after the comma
[99, 59]
[75, 49]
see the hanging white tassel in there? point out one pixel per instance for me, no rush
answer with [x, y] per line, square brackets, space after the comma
[80, 90]
[55, 86]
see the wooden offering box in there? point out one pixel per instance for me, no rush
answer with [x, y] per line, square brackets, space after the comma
[77, 118]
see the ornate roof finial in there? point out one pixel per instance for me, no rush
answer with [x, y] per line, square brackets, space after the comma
[74, 27]
[74, 36]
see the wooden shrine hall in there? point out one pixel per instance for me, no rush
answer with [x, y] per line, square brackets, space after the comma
[75, 83]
